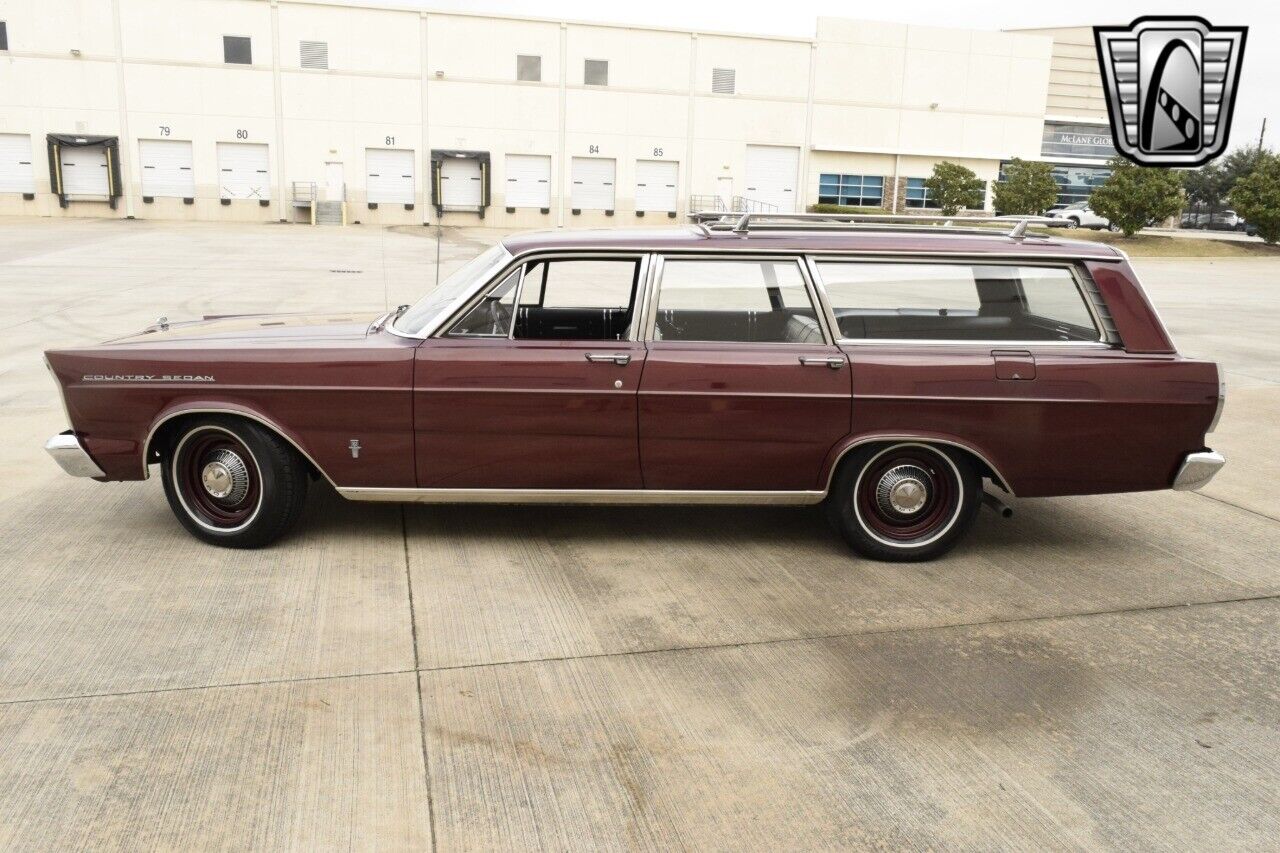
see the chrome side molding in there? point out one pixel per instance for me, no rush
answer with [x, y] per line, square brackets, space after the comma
[580, 496]
[1197, 470]
[67, 451]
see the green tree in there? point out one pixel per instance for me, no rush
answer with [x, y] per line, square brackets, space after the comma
[1239, 164]
[1207, 186]
[1136, 195]
[1028, 188]
[1256, 196]
[953, 186]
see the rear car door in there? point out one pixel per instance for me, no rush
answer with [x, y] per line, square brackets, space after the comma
[1018, 360]
[743, 389]
[534, 386]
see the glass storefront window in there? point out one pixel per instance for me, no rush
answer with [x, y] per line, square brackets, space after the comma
[1075, 183]
[918, 194]
[851, 190]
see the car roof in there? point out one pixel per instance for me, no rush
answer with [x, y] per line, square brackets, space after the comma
[918, 240]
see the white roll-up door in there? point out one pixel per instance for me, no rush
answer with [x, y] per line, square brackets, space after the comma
[167, 170]
[243, 170]
[656, 185]
[460, 182]
[17, 174]
[528, 181]
[84, 171]
[771, 176]
[592, 183]
[388, 176]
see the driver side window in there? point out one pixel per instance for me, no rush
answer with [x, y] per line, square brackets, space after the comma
[491, 318]
[564, 299]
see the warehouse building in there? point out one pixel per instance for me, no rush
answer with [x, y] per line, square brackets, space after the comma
[316, 111]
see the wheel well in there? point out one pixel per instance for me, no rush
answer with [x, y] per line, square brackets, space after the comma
[981, 465]
[162, 439]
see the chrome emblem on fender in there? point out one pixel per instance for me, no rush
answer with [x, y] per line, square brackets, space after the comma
[1171, 86]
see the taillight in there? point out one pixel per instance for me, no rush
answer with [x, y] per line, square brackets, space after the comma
[1222, 398]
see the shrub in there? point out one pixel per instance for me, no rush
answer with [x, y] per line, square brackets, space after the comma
[954, 187]
[1256, 197]
[843, 208]
[1027, 188]
[1135, 196]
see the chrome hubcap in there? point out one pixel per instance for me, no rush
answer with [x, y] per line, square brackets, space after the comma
[225, 477]
[903, 490]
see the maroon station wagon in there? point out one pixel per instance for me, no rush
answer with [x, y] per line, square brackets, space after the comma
[883, 369]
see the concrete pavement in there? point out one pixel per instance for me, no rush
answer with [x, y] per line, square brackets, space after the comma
[1094, 673]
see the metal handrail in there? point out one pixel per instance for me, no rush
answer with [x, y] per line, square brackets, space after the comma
[870, 221]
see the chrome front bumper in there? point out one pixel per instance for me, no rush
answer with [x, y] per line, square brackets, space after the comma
[67, 451]
[1197, 470]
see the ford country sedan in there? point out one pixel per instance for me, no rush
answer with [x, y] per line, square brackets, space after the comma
[901, 375]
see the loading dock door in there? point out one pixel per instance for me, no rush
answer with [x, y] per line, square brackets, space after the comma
[388, 176]
[771, 176]
[592, 183]
[167, 170]
[16, 172]
[460, 183]
[243, 170]
[656, 185]
[528, 181]
[84, 171]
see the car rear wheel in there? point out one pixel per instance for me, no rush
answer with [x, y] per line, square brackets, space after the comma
[905, 501]
[233, 483]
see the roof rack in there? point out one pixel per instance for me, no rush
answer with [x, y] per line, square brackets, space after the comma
[747, 222]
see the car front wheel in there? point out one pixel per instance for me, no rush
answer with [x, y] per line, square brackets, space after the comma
[233, 483]
[904, 502]
[1073, 223]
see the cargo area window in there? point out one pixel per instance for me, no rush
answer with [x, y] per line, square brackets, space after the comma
[746, 301]
[956, 302]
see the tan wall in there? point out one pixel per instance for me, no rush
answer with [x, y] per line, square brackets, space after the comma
[1075, 83]
[417, 81]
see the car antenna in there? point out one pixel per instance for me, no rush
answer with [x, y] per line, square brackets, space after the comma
[439, 230]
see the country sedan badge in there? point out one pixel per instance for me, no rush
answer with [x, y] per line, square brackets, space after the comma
[1171, 84]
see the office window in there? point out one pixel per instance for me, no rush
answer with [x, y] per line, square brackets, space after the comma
[918, 194]
[596, 72]
[315, 54]
[236, 50]
[723, 81]
[529, 68]
[851, 190]
[4, 36]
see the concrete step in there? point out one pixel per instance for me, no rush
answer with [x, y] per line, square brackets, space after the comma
[328, 213]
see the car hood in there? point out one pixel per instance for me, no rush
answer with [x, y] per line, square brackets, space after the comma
[255, 329]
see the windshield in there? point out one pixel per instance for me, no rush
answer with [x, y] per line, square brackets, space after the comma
[422, 317]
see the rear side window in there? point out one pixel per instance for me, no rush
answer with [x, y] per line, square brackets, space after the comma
[735, 300]
[956, 302]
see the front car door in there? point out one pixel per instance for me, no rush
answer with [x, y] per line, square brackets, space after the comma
[743, 389]
[534, 385]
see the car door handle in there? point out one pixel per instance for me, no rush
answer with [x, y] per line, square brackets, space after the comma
[834, 362]
[619, 358]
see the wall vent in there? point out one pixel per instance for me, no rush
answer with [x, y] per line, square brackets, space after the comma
[315, 54]
[723, 81]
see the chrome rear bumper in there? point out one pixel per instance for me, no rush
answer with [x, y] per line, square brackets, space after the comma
[1197, 470]
[67, 451]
